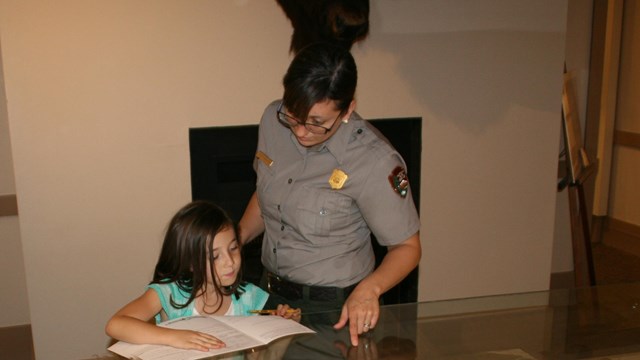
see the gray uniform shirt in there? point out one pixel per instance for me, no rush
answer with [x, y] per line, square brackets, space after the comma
[316, 235]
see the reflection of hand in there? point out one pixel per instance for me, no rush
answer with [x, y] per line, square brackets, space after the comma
[392, 347]
[388, 348]
[274, 351]
[366, 350]
[361, 310]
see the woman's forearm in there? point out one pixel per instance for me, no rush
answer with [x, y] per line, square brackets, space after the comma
[399, 261]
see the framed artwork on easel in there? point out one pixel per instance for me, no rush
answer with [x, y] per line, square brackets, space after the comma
[576, 156]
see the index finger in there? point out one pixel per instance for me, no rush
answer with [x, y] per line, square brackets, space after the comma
[353, 330]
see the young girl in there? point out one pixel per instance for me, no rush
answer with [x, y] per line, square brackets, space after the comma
[198, 272]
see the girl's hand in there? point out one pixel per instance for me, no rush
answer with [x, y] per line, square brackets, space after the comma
[194, 340]
[287, 312]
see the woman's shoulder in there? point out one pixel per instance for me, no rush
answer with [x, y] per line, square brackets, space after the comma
[266, 120]
[274, 104]
[368, 141]
[271, 107]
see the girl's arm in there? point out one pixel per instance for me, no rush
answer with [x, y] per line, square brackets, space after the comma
[132, 324]
[251, 225]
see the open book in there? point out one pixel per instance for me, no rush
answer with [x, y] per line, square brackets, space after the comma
[237, 332]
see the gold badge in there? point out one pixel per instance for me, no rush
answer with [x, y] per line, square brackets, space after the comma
[337, 179]
[399, 181]
[265, 159]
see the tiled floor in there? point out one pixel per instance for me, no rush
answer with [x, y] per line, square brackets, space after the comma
[613, 266]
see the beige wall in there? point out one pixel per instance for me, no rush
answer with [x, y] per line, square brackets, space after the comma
[577, 57]
[101, 96]
[13, 285]
[7, 183]
[624, 198]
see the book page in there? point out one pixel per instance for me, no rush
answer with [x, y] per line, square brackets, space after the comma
[265, 328]
[237, 332]
[235, 341]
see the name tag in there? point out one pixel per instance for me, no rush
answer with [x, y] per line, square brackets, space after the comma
[264, 158]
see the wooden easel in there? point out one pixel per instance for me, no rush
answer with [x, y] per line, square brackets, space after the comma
[583, 269]
[579, 169]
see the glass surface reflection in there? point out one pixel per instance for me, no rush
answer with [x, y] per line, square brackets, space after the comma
[591, 323]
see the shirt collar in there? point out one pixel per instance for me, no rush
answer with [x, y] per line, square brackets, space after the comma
[336, 144]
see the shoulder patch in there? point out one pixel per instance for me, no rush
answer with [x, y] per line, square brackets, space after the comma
[399, 181]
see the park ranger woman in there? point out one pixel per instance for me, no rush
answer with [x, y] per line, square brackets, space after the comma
[327, 179]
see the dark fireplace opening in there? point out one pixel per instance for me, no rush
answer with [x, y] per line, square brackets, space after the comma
[222, 171]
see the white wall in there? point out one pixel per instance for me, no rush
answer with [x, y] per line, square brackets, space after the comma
[101, 95]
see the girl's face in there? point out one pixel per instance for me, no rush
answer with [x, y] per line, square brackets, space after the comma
[324, 114]
[226, 257]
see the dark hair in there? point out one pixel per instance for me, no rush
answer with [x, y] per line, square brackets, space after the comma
[183, 258]
[340, 22]
[319, 72]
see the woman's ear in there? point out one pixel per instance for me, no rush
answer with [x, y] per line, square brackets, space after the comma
[347, 115]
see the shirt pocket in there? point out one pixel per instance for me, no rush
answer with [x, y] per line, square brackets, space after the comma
[325, 213]
[264, 179]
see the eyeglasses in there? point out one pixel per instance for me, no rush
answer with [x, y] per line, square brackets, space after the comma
[291, 122]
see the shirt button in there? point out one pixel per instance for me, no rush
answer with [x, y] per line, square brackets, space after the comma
[274, 250]
[278, 207]
[359, 131]
[290, 181]
[282, 227]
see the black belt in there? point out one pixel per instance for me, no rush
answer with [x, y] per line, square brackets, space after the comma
[294, 291]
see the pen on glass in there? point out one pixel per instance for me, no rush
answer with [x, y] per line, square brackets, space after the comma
[272, 312]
